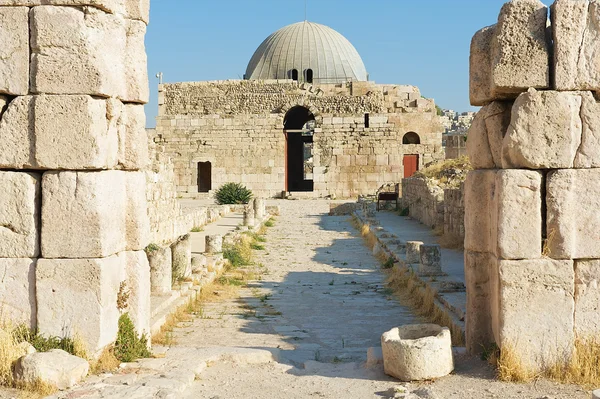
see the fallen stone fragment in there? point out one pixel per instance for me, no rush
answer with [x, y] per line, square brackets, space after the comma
[56, 368]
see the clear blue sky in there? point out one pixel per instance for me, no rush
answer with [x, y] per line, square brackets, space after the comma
[423, 43]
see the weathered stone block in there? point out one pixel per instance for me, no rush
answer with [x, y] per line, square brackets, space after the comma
[576, 30]
[478, 321]
[19, 215]
[73, 132]
[545, 131]
[480, 67]
[14, 36]
[79, 297]
[486, 134]
[588, 154]
[136, 64]
[541, 290]
[182, 258]
[161, 270]
[259, 208]
[137, 226]
[518, 209]
[77, 52]
[520, 56]
[413, 251]
[17, 291]
[573, 220]
[587, 302]
[137, 280]
[214, 244]
[83, 214]
[133, 139]
[430, 263]
[478, 146]
[55, 368]
[17, 134]
[479, 200]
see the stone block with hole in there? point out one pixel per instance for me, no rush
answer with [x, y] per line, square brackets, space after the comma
[14, 36]
[20, 204]
[417, 352]
[17, 291]
[83, 214]
[542, 290]
[79, 297]
[573, 220]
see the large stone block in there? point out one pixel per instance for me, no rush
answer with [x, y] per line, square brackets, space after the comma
[588, 154]
[520, 56]
[545, 131]
[79, 297]
[14, 52]
[182, 258]
[133, 139]
[478, 321]
[576, 30]
[136, 87]
[137, 223]
[161, 270]
[480, 67]
[17, 291]
[137, 279]
[479, 200]
[573, 220]
[587, 298]
[19, 215]
[478, 145]
[77, 51]
[75, 132]
[486, 134]
[540, 290]
[83, 214]
[518, 213]
[17, 134]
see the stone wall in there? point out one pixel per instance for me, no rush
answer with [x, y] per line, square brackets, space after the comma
[456, 145]
[237, 126]
[532, 219]
[425, 201]
[454, 212]
[73, 213]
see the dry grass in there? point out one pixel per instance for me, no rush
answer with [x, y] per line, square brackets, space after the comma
[451, 241]
[37, 390]
[436, 171]
[106, 362]
[510, 367]
[9, 353]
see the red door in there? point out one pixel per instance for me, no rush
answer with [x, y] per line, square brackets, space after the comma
[411, 165]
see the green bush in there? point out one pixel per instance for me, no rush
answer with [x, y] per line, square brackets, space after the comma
[128, 346]
[233, 193]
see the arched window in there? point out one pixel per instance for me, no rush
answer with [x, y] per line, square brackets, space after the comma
[309, 75]
[295, 74]
[411, 138]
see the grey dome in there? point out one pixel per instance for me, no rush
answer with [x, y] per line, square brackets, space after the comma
[307, 46]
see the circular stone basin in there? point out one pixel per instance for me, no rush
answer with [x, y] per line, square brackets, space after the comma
[417, 352]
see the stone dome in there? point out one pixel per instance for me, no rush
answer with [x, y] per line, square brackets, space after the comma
[307, 52]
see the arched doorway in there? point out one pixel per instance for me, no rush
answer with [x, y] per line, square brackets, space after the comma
[411, 138]
[298, 127]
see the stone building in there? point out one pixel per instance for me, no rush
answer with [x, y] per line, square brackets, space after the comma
[304, 120]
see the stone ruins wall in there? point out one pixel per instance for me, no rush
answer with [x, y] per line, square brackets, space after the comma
[454, 212]
[425, 202]
[73, 216]
[238, 127]
[532, 259]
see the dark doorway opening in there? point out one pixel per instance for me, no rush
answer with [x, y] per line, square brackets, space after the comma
[299, 129]
[309, 75]
[295, 74]
[411, 165]
[411, 138]
[204, 177]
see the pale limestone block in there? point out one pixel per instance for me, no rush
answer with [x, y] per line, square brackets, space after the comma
[79, 297]
[480, 67]
[259, 208]
[136, 64]
[56, 368]
[4, 100]
[137, 224]
[544, 132]
[588, 154]
[72, 132]
[587, 298]
[83, 214]
[181, 252]
[417, 352]
[17, 291]
[161, 271]
[479, 200]
[519, 214]
[17, 134]
[213, 244]
[478, 146]
[133, 138]
[540, 290]
[19, 215]
[478, 320]
[430, 263]
[14, 52]
[573, 220]
[497, 121]
[137, 279]
[77, 51]
[520, 56]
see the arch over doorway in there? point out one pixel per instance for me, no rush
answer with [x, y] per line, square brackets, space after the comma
[411, 138]
[299, 131]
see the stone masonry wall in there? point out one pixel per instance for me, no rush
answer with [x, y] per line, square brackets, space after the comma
[425, 202]
[532, 259]
[454, 212]
[73, 213]
[238, 127]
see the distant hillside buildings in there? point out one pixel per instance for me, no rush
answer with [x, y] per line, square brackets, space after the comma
[454, 138]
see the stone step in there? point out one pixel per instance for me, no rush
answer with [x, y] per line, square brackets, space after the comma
[158, 303]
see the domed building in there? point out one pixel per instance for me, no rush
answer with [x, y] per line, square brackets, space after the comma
[305, 119]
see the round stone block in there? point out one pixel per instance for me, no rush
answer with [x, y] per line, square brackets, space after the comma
[214, 244]
[259, 208]
[413, 251]
[161, 271]
[249, 218]
[417, 352]
[198, 263]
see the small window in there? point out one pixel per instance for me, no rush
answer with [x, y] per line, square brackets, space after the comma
[204, 177]
[366, 120]
[295, 74]
[309, 75]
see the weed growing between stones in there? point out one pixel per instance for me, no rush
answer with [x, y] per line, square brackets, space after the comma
[270, 223]
[151, 248]
[197, 229]
[129, 346]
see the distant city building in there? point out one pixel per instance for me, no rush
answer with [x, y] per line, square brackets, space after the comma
[456, 123]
